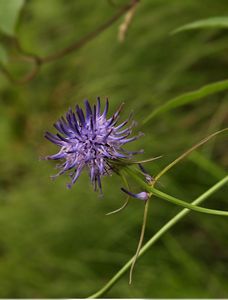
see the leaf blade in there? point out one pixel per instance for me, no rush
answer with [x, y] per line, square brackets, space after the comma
[189, 97]
[9, 13]
[215, 22]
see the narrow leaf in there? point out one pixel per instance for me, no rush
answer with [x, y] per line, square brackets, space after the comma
[189, 97]
[215, 22]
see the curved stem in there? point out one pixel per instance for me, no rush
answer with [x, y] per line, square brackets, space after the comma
[186, 153]
[136, 173]
[119, 209]
[188, 205]
[78, 44]
[39, 61]
[127, 199]
[146, 160]
[158, 235]
[140, 239]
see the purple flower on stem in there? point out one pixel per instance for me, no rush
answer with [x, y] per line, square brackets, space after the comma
[90, 140]
[141, 196]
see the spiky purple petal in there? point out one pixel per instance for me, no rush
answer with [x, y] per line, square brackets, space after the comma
[91, 141]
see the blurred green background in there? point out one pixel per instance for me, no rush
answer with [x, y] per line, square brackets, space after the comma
[56, 242]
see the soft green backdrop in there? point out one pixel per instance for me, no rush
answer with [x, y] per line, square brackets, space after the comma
[56, 242]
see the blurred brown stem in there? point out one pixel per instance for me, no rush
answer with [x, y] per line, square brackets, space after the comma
[38, 61]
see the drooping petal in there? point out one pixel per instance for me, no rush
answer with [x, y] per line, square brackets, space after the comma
[141, 196]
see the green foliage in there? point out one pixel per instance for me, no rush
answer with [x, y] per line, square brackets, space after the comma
[159, 234]
[3, 55]
[189, 97]
[58, 243]
[9, 13]
[213, 23]
[209, 166]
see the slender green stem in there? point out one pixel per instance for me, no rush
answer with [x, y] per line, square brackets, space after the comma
[140, 239]
[120, 208]
[135, 173]
[146, 160]
[186, 153]
[187, 205]
[127, 199]
[157, 235]
[145, 214]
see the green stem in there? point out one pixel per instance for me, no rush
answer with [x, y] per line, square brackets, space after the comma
[186, 153]
[157, 235]
[140, 239]
[127, 199]
[187, 205]
[172, 199]
[135, 173]
[146, 209]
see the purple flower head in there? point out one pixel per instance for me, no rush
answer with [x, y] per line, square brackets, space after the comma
[90, 140]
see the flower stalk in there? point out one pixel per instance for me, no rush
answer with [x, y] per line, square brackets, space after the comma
[153, 191]
[158, 235]
[182, 203]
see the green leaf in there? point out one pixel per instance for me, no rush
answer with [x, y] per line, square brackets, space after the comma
[189, 97]
[3, 55]
[9, 13]
[216, 22]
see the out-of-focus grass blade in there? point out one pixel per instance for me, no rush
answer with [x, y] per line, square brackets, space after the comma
[189, 97]
[208, 165]
[215, 22]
